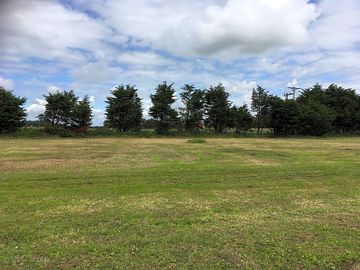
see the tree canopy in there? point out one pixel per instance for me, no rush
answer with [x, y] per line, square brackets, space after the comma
[64, 110]
[217, 106]
[12, 113]
[192, 113]
[161, 109]
[81, 117]
[260, 105]
[316, 111]
[124, 109]
[241, 118]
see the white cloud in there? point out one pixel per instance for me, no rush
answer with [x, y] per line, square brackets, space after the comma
[146, 107]
[36, 108]
[142, 58]
[240, 91]
[144, 42]
[48, 30]
[98, 114]
[248, 27]
[95, 72]
[339, 25]
[293, 83]
[211, 27]
[266, 65]
[7, 83]
[53, 89]
[92, 99]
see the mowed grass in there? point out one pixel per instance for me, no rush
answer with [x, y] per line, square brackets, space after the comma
[130, 203]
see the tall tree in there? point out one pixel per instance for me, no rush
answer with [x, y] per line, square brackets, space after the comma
[342, 102]
[217, 106]
[59, 109]
[124, 110]
[284, 116]
[260, 105]
[161, 109]
[315, 119]
[65, 111]
[345, 105]
[313, 94]
[82, 115]
[193, 112]
[12, 114]
[241, 118]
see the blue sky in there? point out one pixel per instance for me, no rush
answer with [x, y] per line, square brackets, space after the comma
[91, 46]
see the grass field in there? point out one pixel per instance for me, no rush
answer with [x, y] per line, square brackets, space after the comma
[131, 203]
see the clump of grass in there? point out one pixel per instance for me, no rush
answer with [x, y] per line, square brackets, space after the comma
[197, 140]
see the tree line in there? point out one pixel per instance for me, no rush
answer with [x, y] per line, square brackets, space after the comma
[316, 111]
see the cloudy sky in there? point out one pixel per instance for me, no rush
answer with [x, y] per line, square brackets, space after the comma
[92, 45]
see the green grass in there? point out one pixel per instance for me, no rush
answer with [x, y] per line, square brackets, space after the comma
[163, 203]
[197, 140]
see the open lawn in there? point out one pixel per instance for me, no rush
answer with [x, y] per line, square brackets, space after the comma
[131, 203]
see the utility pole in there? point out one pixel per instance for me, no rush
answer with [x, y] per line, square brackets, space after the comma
[292, 92]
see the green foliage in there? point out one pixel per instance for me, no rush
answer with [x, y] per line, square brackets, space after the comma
[30, 132]
[34, 123]
[59, 109]
[317, 111]
[315, 94]
[193, 113]
[217, 106]
[241, 119]
[315, 119]
[161, 110]
[261, 105]
[81, 117]
[284, 117]
[148, 124]
[345, 104]
[12, 114]
[64, 111]
[124, 110]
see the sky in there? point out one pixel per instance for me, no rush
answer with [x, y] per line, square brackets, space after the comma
[91, 46]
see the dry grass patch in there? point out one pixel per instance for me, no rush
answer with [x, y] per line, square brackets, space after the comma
[262, 162]
[78, 207]
[312, 204]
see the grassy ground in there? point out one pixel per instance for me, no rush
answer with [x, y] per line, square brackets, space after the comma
[130, 203]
